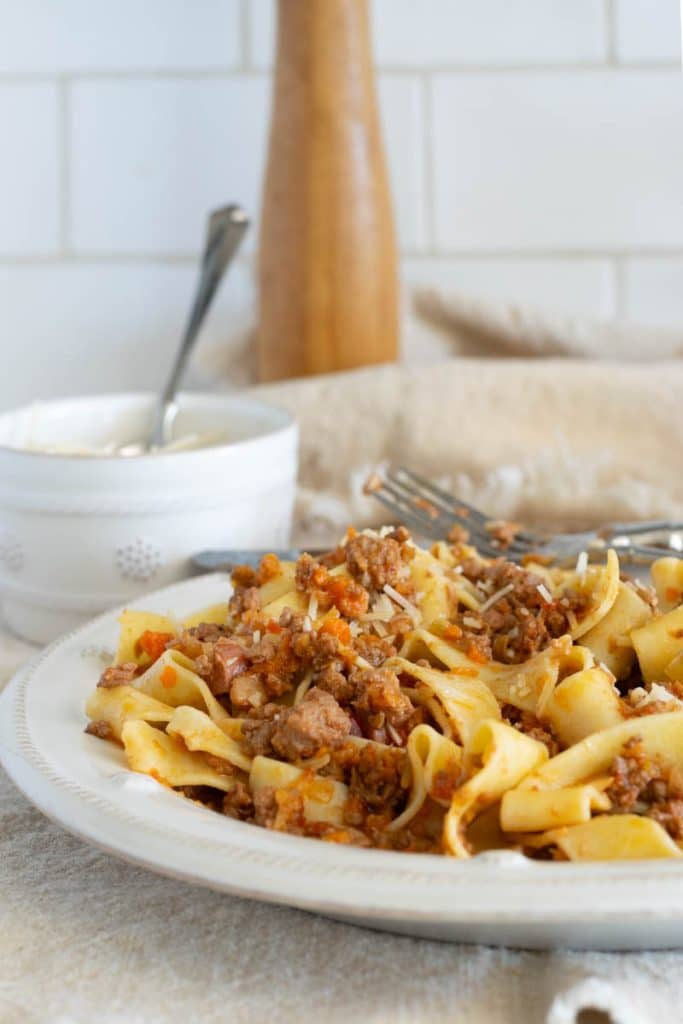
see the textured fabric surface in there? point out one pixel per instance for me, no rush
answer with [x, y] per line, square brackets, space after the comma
[565, 443]
[86, 939]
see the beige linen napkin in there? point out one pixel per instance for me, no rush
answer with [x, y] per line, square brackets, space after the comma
[483, 327]
[566, 443]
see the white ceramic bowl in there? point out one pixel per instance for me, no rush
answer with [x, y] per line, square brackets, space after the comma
[79, 534]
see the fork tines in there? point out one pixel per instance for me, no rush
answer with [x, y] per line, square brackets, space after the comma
[433, 512]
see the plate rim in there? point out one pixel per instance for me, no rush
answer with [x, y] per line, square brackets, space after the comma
[43, 786]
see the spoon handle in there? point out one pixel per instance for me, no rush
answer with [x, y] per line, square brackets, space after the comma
[226, 230]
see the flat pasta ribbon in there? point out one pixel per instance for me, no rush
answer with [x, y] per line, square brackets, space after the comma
[167, 760]
[667, 576]
[507, 756]
[428, 753]
[172, 680]
[528, 810]
[323, 799]
[466, 702]
[598, 582]
[199, 732]
[527, 686]
[611, 837]
[661, 736]
[609, 640]
[120, 704]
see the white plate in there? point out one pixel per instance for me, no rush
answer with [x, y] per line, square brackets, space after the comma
[497, 898]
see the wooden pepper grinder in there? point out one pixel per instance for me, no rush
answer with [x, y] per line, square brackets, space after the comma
[327, 267]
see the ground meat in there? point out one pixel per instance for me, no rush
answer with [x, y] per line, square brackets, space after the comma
[633, 773]
[336, 683]
[206, 795]
[309, 574]
[100, 728]
[643, 785]
[316, 648]
[331, 559]
[348, 596]
[119, 675]
[258, 728]
[527, 723]
[243, 576]
[379, 778]
[380, 706]
[521, 622]
[246, 693]
[207, 631]
[317, 722]
[276, 663]
[400, 626]
[502, 533]
[265, 807]
[280, 809]
[669, 815]
[243, 601]
[229, 661]
[458, 534]
[374, 561]
[373, 649]
[238, 803]
[269, 568]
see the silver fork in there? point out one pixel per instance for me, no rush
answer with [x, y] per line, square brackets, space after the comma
[432, 512]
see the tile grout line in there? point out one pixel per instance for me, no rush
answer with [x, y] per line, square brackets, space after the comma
[245, 35]
[249, 71]
[610, 15]
[64, 165]
[93, 257]
[427, 162]
[619, 268]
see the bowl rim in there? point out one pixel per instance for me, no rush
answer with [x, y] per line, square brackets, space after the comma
[287, 423]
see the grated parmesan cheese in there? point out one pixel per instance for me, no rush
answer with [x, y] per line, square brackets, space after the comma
[312, 607]
[256, 636]
[655, 693]
[582, 564]
[394, 735]
[307, 625]
[497, 596]
[545, 593]
[402, 601]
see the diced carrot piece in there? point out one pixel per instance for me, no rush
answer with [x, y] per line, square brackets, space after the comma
[338, 628]
[474, 654]
[269, 568]
[168, 676]
[154, 644]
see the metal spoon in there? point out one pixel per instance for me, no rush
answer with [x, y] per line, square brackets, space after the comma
[226, 229]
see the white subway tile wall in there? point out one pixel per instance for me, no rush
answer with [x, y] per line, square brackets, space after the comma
[30, 177]
[535, 150]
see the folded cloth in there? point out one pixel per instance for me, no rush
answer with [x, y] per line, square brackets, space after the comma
[562, 443]
[484, 327]
[440, 323]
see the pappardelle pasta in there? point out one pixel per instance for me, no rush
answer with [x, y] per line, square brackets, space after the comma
[431, 701]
